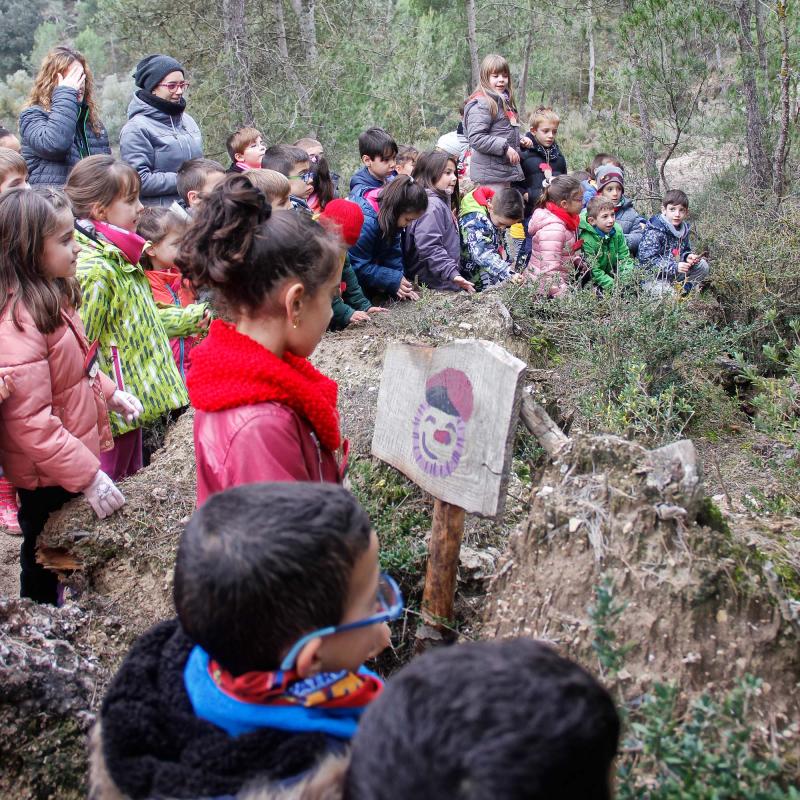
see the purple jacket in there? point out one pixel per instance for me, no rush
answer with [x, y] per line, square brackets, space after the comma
[433, 246]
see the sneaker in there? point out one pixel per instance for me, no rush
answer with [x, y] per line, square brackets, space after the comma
[8, 520]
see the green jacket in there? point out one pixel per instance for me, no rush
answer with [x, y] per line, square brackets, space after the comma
[352, 298]
[608, 256]
[133, 333]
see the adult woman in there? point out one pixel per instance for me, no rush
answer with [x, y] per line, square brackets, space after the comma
[61, 125]
[159, 135]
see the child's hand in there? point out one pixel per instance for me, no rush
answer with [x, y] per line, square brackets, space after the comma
[512, 155]
[359, 317]
[692, 259]
[406, 290]
[103, 495]
[464, 284]
[376, 310]
[525, 141]
[205, 321]
[125, 404]
[6, 384]
[684, 267]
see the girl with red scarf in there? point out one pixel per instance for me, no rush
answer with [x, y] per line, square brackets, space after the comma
[263, 413]
[554, 231]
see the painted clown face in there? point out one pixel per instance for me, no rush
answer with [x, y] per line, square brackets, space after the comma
[440, 423]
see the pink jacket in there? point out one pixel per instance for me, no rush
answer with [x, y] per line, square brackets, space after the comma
[55, 424]
[552, 254]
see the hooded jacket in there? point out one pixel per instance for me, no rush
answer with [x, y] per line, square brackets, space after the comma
[631, 222]
[55, 424]
[432, 246]
[270, 419]
[607, 256]
[350, 300]
[552, 252]
[362, 181]
[663, 247]
[54, 141]
[490, 136]
[155, 144]
[484, 253]
[532, 159]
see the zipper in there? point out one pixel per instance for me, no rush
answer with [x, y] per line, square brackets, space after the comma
[181, 341]
[319, 453]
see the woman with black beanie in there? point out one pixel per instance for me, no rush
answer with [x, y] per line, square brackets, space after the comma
[159, 135]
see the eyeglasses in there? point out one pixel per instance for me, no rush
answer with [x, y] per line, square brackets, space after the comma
[306, 177]
[390, 606]
[173, 86]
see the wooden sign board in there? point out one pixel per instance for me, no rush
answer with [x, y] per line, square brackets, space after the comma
[446, 419]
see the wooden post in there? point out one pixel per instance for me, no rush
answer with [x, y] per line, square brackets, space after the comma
[441, 574]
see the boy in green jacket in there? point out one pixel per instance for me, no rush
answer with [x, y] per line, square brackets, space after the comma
[603, 244]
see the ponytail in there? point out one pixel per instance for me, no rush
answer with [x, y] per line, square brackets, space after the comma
[562, 187]
[243, 250]
[403, 195]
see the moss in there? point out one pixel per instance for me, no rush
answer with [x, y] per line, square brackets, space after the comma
[710, 515]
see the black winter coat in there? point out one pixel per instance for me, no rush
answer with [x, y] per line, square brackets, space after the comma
[531, 160]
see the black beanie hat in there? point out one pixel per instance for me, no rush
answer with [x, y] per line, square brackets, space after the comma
[151, 69]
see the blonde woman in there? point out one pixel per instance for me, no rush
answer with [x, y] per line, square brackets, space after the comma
[60, 125]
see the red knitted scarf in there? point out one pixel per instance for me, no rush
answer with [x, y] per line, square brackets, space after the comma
[572, 221]
[230, 370]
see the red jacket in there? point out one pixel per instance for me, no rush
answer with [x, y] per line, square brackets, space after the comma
[55, 423]
[259, 417]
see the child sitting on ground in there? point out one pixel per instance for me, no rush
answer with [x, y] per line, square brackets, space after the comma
[432, 246]
[589, 184]
[603, 244]
[610, 181]
[666, 252]
[163, 231]
[351, 307]
[554, 236]
[542, 161]
[246, 149]
[274, 185]
[378, 152]
[484, 216]
[196, 180]
[541, 728]
[294, 163]
[406, 160]
[259, 680]
[13, 170]
[377, 256]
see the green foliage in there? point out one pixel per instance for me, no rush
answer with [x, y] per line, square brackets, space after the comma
[115, 95]
[18, 22]
[604, 615]
[14, 92]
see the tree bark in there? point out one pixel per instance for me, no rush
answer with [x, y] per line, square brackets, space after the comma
[761, 41]
[781, 146]
[472, 43]
[237, 63]
[523, 83]
[305, 11]
[592, 63]
[648, 147]
[302, 107]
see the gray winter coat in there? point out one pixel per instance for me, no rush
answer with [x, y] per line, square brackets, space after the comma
[631, 222]
[433, 246]
[155, 144]
[51, 139]
[490, 137]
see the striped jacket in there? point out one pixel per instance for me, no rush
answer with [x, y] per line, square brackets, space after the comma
[133, 333]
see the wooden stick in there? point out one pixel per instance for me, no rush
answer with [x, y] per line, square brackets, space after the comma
[538, 422]
[442, 571]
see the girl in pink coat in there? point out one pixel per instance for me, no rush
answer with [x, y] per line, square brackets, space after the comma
[554, 227]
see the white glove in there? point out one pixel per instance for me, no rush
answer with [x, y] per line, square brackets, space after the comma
[103, 495]
[126, 405]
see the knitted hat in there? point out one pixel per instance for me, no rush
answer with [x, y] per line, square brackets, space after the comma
[609, 173]
[450, 144]
[346, 216]
[151, 69]
[450, 391]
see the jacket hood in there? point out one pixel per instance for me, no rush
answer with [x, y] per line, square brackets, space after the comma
[659, 223]
[587, 230]
[469, 205]
[624, 203]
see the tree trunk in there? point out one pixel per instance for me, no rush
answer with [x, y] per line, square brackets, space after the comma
[302, 107]
[759, 167]
[523, 82]
[648, 148]
[781, 146]
[305, 11]
[237, 63]
[472, 43]
[592, 66]
[761, 41]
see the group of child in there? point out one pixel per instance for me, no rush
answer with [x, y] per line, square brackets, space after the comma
[113, 315]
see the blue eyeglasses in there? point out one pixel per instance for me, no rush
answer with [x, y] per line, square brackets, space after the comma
[390, 606]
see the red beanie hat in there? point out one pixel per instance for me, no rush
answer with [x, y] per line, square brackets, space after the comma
[347, 218]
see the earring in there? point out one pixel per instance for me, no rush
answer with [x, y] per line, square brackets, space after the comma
[295, 322]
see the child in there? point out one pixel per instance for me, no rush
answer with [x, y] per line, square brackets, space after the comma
[553, 228]
[13, 170]
[293, 162]
[610, 182]
[163, 231]
[666, 252]
[603, 244]
[55, 423]
[377, 256]
[484, 216]
[541, 728]
[378, 153]
[274, 185]
[263, 413]
[589, 184]
[118, 308]
[351, 307]
[316, 154]
[323, 186]
[259, 680]
[406, 160]
[246, 149]
[542, 161]
[432, 245]
[9, 140]
[492, 127]
[196, 179]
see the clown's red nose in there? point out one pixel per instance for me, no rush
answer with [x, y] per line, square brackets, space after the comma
[443, 437]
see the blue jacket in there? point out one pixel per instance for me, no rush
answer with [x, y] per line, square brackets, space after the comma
[631, 221]
[155, 144]
[659, 245]
[378, 261]
[54, 141]
[361, 182]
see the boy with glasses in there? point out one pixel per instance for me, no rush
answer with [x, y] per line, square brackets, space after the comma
[294, 163]
[279, 601]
